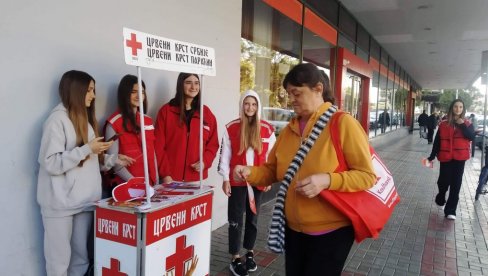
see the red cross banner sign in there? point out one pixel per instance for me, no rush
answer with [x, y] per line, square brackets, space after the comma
[146, 50]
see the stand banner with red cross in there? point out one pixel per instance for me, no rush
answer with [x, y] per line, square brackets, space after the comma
[176, 235]
[147, 50]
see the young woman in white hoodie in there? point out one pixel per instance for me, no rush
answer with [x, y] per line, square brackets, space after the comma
[246, 141]
[71, 157]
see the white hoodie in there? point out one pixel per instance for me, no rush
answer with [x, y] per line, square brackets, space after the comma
[226, 149]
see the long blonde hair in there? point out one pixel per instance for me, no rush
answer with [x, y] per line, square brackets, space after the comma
[250, 135]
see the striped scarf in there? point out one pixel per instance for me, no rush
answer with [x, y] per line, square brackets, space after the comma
[276, 237]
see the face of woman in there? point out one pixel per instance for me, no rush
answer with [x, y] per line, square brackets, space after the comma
[457, 109]
[134, 95]
[90, 94]
[304, 99]
[191, 87]
[250, 106]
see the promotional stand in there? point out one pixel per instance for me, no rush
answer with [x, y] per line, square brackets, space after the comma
[170, 232]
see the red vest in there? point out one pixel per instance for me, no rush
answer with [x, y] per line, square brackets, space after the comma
[453, 144]
[234, 129]
[130, 144]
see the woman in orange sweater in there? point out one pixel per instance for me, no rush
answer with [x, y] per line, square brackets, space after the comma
[318, 237]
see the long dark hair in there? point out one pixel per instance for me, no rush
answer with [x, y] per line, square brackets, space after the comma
[307, 74]
[179, 98]
[126, 85]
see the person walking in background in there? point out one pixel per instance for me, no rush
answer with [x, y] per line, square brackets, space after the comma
[431, 126]
[474, 122]
[422, 120]
[70, 157]
[318, 237]
[452, 149]
[177, 134]
[246, 141]
[125, 122]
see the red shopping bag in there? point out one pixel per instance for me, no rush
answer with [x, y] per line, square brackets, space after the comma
[368, 210]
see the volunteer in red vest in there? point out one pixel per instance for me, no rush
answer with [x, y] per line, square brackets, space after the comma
[178, 133]
[318, 237]
[452, 148]
[125, 122]
[246, 141]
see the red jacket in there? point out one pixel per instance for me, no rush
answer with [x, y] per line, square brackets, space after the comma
[453, 144]
[230, 156]
[177, 148]
[130, 144]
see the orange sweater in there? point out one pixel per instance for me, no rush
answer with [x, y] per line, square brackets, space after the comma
[315, 214]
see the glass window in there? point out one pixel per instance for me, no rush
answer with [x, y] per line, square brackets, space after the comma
[384, 57]
[347, 23]
[374, 50]
[346, 43]
[316, 49]
[327, 9]
[363, 38]
[351, 89]
[269, 48]
[373, 104]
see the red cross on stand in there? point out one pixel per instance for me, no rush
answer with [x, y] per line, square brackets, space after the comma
[182, 254]
[114, 269]
[133, 44]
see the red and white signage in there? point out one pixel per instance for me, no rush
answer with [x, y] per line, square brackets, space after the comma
[175, 235]
[169, 242]
[146, 50]
[116, 243]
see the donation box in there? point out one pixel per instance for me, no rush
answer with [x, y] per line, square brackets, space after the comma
[171, 238]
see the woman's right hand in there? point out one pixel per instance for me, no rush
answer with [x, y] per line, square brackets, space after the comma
[241, 172]
[97, 145]
[226, 188]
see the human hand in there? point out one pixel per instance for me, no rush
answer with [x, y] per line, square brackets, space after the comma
[198, 166]
[267, 188]
[97, 145]
[226, 188]
[193, 266]
[124, 160]
[167, 179]
[311, 186]
[241, 172]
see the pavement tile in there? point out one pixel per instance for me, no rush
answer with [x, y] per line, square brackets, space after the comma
[417, 240]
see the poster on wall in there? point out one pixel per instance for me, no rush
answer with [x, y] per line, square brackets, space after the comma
[178, 236]
[151, 51]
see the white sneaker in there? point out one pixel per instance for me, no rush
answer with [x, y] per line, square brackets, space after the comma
[451, 217]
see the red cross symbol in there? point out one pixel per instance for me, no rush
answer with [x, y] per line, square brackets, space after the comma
[133, 44]
[182, 254]
[114, 269]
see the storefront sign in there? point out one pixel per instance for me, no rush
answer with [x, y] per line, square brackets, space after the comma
[146, 50]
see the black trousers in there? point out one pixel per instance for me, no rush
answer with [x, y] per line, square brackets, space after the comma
[430, 134]
[450, 178]
[307, 255]
[238, 203]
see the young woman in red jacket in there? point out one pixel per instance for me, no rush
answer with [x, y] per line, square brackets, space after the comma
[246, 141]
[177, 133]
[125, 122]
[452, 148]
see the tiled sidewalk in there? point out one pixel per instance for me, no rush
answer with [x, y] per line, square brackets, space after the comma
[416, 241]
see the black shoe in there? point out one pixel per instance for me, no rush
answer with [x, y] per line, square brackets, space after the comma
[237, 268]
[250, 263]
[440, 199]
